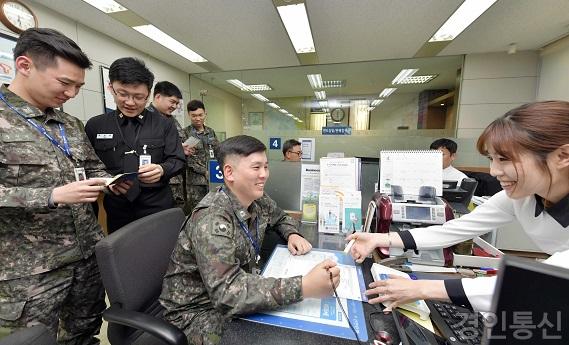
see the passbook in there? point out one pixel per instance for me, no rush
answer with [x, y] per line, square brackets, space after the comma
[121, 178]
[192, 141]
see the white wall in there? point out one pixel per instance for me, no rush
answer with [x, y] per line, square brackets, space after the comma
[102, 50]
[554, 72]
[223, 109]
[493, 84]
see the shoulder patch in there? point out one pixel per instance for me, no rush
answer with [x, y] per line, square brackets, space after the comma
[221, 229]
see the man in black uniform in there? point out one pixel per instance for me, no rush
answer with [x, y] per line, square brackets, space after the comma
[134, 139]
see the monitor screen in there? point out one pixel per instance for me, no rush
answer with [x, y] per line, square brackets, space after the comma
[417, 212]
[531, 304]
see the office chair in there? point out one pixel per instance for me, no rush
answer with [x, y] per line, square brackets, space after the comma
[36, 335]
[133, 261]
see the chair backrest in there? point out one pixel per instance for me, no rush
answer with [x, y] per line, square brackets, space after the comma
[133, 260]
[468, 184]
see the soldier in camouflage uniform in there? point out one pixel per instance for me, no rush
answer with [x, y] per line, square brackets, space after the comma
[48, 228]
[213, 270]
[167, 96]
[198, 156]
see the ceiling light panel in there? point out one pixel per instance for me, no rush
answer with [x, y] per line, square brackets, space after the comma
[387, 91]
[295, 20]
[465, 15]
[404, 74]
[320, 94]
[107, 6]
[315, 80]
[164, 39]
[323, 104]
[376, 102]
[284, 111]
[333, 83]
[260, 97]
[419, 79]
[259, 87]
[238, 84]
[273, 105]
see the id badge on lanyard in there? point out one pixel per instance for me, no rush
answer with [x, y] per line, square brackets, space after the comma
[144, 159]
[80, 174]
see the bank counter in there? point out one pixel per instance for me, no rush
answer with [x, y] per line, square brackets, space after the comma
[246, 332]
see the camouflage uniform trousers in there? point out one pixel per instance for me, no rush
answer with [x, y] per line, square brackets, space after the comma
[177, 184]
[205, 328]
[70, 298]
[195, 195]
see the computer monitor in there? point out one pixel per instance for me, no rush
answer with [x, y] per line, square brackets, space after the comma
[283, 185]
[530, 305]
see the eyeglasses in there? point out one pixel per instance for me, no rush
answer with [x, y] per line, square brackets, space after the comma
[126, 96]
[299, 153]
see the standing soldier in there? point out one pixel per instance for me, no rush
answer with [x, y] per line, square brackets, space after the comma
[49, 176]
[198, 154]
[166, 99]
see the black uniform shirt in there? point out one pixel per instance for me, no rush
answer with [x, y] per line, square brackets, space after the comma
[153, 133]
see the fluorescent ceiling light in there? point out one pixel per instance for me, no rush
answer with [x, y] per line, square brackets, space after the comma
[290, 115]
[323, 104]
[419, 79]
[467, 13]
[320, 94]
[238, 84]
[107, 6]
[164, 39]
[273, 105]
[315, 80]
[387, 91]
[284, 111]
[376, 102]
[260, 97]
[370, 108]
[296, 23]
[404, 74]
[300, 121]
[260, 87]
[333, 83]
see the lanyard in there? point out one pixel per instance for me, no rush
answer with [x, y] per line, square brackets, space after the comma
[64, 148]
[137, 132]
[254, 241]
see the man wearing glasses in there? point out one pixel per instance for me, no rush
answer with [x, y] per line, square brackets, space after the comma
[134, 139]
[292, 151]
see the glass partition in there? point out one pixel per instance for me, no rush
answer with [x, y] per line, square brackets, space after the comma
[354, 108]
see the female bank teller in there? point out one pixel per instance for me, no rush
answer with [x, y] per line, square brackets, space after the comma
[528, 149]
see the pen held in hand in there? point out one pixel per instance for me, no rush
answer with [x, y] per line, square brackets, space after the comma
[349, 246]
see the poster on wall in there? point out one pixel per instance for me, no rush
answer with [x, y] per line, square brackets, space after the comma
[7, 68]
[108, 100]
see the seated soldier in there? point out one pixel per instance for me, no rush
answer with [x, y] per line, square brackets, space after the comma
[213, 270]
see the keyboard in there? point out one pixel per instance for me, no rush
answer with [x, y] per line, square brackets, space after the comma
[458, 325]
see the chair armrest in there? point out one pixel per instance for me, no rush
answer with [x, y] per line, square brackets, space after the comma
[159, 328]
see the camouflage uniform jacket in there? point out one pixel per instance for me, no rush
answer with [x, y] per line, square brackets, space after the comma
[198, 162]
[34, 238]
[212, 262]
[176, 182]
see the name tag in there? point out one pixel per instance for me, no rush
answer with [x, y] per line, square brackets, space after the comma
[104, 136]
